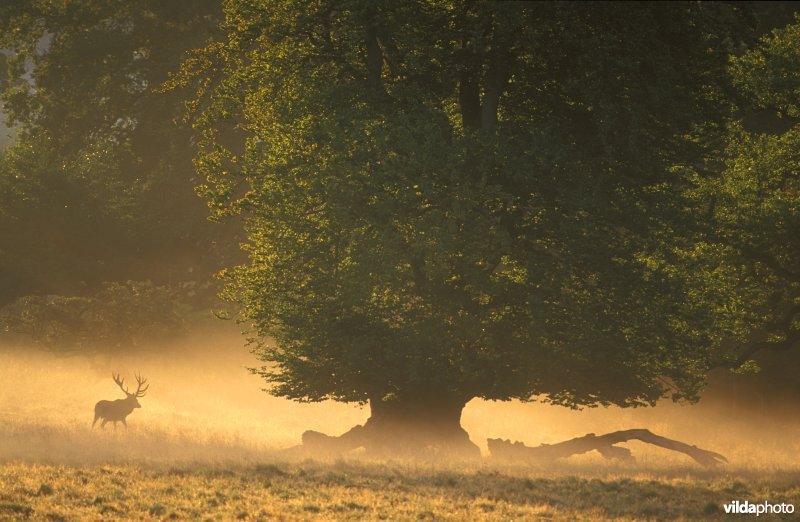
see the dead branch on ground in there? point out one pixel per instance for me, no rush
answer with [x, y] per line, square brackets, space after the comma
[604, 444]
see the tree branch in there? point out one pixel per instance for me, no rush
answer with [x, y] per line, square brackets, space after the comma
[469, 101]
[604, 444]
[792, 338]
[495, 85]
[374, 60]
[501, 59]
[393, 58]
[771, 262]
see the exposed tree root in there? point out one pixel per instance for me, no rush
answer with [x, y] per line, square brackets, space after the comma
[381, 444]
[604, 444]
[353, 439]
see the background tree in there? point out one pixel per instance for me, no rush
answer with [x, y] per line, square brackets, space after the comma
[745, 265]
[453, 200]
[98, 183]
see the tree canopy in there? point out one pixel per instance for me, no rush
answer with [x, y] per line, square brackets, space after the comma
[464, 200]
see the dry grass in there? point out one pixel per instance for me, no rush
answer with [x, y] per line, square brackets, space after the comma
[350, 490]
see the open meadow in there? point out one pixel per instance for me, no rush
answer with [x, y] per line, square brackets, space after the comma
[208, 444]
[350, 490]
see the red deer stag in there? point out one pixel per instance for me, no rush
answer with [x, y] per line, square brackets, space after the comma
[117, 410]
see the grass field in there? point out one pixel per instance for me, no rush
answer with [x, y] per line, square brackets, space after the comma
[350, 490]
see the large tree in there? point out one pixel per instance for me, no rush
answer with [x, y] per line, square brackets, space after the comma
[450, 200]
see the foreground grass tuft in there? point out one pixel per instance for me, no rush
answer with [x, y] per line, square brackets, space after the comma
[350, 490]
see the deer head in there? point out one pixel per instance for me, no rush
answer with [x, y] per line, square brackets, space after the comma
[141, 388]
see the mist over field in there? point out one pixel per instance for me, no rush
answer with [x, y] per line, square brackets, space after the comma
[204, 406]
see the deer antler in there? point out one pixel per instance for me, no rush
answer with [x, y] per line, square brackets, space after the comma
[142, 386]
[121, 383]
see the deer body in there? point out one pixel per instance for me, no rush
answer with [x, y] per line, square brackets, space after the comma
[118, 410]
[114, 411]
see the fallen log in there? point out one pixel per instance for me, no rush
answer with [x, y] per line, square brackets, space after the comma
[604, 444]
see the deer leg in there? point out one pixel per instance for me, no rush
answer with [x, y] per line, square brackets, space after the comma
[125, 424]
[94, 421]
[103, 425]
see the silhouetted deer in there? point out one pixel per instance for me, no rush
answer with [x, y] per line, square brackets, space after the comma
[117, 410]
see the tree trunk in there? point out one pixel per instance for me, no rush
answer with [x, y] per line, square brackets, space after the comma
[410, 426]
